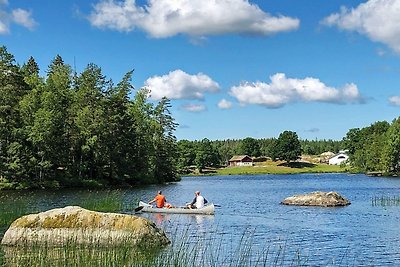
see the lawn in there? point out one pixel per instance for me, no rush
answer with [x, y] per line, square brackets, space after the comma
[270, 167]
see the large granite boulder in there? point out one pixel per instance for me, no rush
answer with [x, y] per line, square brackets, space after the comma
[323, 199]
[76, 225]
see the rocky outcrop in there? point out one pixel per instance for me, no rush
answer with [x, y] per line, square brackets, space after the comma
[76, 225]
[323, 199]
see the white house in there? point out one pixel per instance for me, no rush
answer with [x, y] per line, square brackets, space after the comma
[339, 158]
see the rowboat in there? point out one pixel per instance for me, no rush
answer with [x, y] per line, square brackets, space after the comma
[207, 210]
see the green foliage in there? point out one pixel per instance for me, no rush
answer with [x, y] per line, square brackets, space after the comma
[12, 90]
[224, 150]
[186, 155]
[317, 147]
[69, 129]
[250, 146]
[391, 149]
[287, 147]
[206, 155]
[279, 168]
[366, 146]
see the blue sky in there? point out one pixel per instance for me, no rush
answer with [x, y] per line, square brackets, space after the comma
[232, 68]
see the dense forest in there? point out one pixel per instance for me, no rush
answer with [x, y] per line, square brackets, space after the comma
[68, 129]
[375, 148]
[206, 153]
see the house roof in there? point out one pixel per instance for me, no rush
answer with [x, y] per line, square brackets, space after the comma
[327, 154]
[239, 157]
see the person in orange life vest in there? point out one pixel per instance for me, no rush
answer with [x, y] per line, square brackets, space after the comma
[198, 201]
[159, 199]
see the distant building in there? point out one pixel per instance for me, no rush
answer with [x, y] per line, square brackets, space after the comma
[324, 157]
[242, 160]
[339, 158]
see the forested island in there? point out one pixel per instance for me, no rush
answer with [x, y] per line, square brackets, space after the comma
[71, 129]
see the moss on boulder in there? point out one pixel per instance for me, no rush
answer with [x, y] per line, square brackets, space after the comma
[323, 199]
[76, 225]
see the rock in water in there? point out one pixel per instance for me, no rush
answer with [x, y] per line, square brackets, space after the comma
[76, 225]
[323, 199]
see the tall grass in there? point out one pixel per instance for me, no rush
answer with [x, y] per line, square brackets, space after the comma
[106, 201]
[184, 251]
[11, 209]
[211, 248]
[385, 201]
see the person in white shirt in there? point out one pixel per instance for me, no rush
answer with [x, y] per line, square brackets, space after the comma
[198, 201]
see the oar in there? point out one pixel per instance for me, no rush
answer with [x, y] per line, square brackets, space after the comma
[139, 208]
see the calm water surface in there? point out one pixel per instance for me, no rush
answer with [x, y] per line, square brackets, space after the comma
[357, 235]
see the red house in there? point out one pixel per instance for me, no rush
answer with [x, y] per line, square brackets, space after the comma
[242, 160]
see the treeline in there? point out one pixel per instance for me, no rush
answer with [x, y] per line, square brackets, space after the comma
[206, 153]
[375, 148]
[69, 129]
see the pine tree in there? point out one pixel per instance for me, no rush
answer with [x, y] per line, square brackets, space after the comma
[12, 90]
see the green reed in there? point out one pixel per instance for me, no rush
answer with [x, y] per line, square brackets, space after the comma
[106, 201]
[385, 201]
[14, 207]
[11, 209]
[184, 251]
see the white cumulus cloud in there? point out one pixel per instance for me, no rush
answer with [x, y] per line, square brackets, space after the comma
[166, 18]
[377, 19]
[282, 90]
[179, 85]
[3, 26]
[23, 18]
[194, 107]
[17, 16]
[224, 104]
[394, 100]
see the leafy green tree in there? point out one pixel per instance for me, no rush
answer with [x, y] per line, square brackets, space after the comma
[267, 146]
[140, 110]
[12, 90]
[391, 152]
[55, 63]
[186, 155]
[353, 140]
[29, 105]
[164, 142]
[317, 147]
[226, 149]
[365, 146]
[30, 68]
[50, 129]
[67, 128]
[206, 155]
[250, 146]
[119, 134]
[287, 146]
[88, 122]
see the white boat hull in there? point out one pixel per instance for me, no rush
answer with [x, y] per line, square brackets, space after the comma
[207, 210]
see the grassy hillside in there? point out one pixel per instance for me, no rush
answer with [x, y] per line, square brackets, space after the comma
[270, 167]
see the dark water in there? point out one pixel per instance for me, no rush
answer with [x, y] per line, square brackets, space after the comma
[357, 235]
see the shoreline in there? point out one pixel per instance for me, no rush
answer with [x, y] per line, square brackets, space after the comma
[274, 168]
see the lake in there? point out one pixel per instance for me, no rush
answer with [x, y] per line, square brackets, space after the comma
[250, 214]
